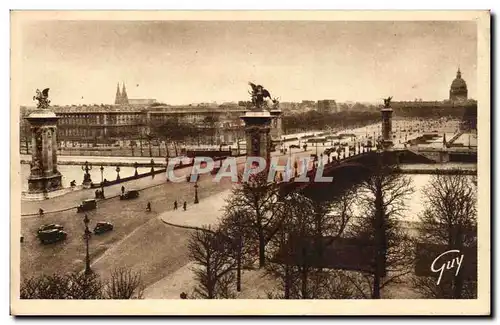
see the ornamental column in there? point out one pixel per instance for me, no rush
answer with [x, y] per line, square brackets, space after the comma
[44, 176]
[387, 124]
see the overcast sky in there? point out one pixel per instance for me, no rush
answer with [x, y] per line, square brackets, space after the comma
[194, 61]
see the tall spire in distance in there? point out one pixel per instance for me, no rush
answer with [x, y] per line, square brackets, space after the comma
[118, 96]
[459, 74]
[124, 95]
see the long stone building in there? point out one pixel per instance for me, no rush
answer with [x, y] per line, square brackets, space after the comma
[111, 123]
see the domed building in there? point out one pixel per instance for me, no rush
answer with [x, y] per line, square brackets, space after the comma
[458, 89]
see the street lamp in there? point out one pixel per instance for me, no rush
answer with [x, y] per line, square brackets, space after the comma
[87, 237]
[196, 192]
[102, 180]
[86, 168]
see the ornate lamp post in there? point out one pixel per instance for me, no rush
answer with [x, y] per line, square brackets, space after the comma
[102, 174]
[87, 237]
[86, 177]
[117, 173]
[196, 192]
[102, 180]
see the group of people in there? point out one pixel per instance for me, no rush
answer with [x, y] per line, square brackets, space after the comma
[184, 205]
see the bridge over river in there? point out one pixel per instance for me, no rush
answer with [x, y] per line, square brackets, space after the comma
[363, 163]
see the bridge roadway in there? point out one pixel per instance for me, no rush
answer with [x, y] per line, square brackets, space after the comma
[364, 160]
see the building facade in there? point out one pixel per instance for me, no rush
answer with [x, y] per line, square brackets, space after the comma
[327, 106]
[107, 124]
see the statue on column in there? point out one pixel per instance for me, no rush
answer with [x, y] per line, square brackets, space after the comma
[276, 103]
[43, 98]
[258, 93]
[387, 102]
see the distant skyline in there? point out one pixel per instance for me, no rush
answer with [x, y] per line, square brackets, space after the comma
[183, 62]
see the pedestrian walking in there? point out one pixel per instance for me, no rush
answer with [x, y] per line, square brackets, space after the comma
[40, 212]
[123, 189]
[184, 206]
[175, 205]
[148, 207]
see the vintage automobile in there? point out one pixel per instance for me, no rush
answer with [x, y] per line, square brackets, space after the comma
[130, 194]
[49, 227]
[87, 205]
[102, 227]
[52, 236]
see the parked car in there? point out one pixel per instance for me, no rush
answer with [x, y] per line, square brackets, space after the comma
[130, 194]
[87, 205]
[52, 236]
[102, 227]
[49, 227]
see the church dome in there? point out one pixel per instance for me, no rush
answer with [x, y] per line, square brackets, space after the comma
[458, 84]
[458, 88]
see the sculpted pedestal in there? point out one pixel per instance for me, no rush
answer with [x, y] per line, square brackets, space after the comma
[44, 176]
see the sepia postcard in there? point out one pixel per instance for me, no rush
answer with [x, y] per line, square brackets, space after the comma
[250, 163]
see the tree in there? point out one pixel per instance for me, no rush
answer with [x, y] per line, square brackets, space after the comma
[314, 120]
[210, 122]
[133, 145]
[258, 200]
[382, 197]
[449, 219]
[309, 226]
[84, 286]
[174, 131]
[211, 253]
[295, 255]
[149, 138]
[53, 286]
[235, 226]
[123, 284]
